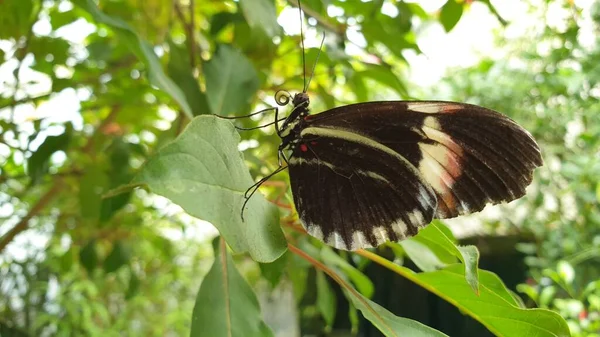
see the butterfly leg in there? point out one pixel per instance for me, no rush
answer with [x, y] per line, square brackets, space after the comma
[252, 189]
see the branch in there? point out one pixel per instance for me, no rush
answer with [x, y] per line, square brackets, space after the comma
[15, 102]
[24, 223]
[189, 28]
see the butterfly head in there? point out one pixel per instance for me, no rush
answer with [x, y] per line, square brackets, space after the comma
[301, 98]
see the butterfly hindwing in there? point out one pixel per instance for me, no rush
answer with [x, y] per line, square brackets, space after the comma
[353, 193]
[470, 156]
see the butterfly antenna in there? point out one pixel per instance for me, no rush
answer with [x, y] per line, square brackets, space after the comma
[302, 44]
[316, 61]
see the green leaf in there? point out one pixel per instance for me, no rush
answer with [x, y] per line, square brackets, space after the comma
[231, 81]
[546, 296]
[222, 19]
[37, 164]
[142, 50]
[353, 318]
[598, 192]
[16, 19]
[326, 300]
[92, 184]
[134, 285]
[119, 173]
[389, 324]
[88, 256]
[434, 236]
[118, 257]
[180, 70]
[274, 271]
[360, 280]
[494, 306]
[261, 14]
[299, 277]
[45, 45]
[422, 255]
[450, 14]
[386, 77]
[226, 305]
[203, 172]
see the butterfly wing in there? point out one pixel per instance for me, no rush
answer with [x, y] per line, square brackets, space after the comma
[470, 156]
[354, 193]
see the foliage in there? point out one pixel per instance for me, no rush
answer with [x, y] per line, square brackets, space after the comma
[103, 97]
[552, 87]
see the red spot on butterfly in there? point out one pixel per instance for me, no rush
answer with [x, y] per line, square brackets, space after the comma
[303, 147]
[313, 143]
[450, 108]
[309, 117]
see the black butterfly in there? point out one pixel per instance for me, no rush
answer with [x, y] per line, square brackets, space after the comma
[367, 173]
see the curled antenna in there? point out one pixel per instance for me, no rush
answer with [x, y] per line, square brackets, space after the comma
[316, 61]
[302, 44]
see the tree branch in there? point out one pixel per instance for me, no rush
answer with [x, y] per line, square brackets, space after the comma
[24, 223]
[189, 28]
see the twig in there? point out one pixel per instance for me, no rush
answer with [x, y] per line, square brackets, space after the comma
[189, 30]
[24, 223]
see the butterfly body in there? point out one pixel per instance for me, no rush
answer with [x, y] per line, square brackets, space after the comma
[367, 173]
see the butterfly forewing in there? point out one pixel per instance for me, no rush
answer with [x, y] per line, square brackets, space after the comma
[353, 193]
[463, 155]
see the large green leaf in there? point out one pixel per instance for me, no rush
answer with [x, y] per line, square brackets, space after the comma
[389, 324]
[226, 305]
[231, 81]
[494, 306]
[261, 14]
[434, 236]
[142, 50]
[204, 173]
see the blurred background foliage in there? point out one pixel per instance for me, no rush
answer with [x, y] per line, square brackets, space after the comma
[84, 102]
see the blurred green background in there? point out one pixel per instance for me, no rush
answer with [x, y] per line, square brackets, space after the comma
[83, 106]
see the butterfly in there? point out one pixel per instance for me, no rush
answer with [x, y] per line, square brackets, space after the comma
[367, 173]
